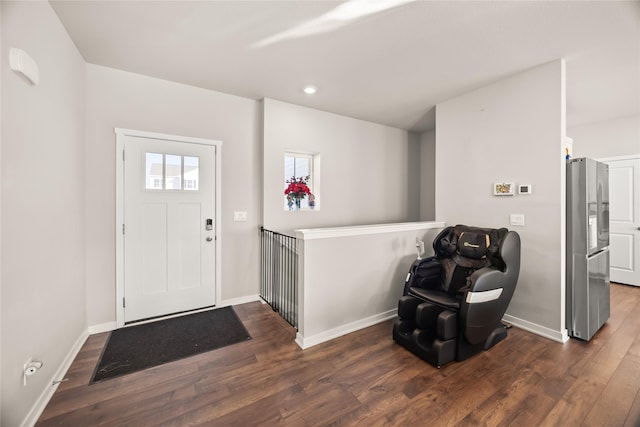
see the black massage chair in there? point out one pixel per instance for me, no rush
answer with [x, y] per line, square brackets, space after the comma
[454, 301]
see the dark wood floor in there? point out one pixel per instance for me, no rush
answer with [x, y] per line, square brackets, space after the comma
[366, 379]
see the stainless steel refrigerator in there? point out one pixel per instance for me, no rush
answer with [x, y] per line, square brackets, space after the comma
[588, 305]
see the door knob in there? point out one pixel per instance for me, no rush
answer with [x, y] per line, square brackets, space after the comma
[209, 238]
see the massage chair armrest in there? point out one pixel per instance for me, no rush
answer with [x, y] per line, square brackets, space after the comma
[488, 284]
[424, 274]
[486, 302]
[490, 278]
[486, 279]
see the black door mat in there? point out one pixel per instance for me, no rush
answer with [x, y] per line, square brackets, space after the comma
[136, 348]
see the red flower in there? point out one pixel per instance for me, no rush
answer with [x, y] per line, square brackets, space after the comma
[297, 187]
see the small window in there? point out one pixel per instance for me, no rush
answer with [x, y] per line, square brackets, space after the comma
[171, 172]
[300, 181]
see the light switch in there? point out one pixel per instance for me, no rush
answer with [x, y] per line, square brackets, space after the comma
[240, 216]
[516, 219]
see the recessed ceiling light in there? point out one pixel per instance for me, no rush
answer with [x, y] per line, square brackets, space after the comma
[310, 90]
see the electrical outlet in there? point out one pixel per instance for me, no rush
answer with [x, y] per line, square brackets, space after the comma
[29, 368]
[24, 370]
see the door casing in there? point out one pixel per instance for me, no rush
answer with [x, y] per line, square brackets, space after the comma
[630, 277]
[121, 134]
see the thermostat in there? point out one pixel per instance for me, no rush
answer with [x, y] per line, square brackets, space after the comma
[524, 189]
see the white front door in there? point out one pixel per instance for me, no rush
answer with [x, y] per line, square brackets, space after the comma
[169, 225]
[624, 220]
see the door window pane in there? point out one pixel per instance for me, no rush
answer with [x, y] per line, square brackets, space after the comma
[191, 173]
[173, 172]
[153, 171]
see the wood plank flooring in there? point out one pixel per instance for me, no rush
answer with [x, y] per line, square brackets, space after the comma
[364, 378]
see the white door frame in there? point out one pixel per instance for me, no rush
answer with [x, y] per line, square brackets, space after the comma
[620, 158]
[612, 159]
[121, 134]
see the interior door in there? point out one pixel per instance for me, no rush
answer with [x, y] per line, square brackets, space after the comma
[168, 227]
[624, 220]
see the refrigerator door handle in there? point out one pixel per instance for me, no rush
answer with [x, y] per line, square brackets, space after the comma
[606, 249]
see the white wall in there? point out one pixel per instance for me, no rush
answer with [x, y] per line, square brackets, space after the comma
[428, 176]
[511, 131]
[126, 100]
[352, 277]
[43, 275]
[366, 172]
[611, 138]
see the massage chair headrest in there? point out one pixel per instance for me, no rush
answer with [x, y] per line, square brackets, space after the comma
[471, 242]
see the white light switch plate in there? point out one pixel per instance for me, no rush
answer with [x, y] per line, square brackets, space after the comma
[516, 219]
[240, 216]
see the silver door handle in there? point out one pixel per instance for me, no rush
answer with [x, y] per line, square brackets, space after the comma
[209, 238]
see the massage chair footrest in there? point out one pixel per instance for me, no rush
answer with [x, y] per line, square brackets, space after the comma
[428, 315]
[407, 307]
[402, 330]
[433, 350]
[423, 343]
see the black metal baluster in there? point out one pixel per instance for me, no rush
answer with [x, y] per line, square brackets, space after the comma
[279, 274]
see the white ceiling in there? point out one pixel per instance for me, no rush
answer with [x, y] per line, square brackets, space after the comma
[389, 67]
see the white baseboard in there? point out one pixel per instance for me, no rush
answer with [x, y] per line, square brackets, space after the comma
[306, 342]
[239, 300]
[103, 327]
[552, 334]
[40, 404]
